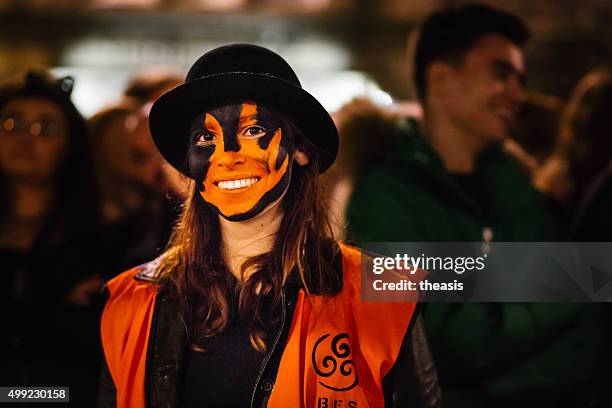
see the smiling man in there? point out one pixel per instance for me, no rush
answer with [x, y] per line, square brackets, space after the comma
[447, 179]
[469, 75]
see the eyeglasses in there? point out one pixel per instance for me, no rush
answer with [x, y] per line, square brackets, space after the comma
[10, 125]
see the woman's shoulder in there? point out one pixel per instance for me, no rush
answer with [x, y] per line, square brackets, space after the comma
[348, 249]
[354, 255]
[135, 279]
[353, 258]
[131, 297]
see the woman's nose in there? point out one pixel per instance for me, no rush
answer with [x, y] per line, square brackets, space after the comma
[230, 159]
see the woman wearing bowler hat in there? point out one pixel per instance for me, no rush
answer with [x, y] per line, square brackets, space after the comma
[253, 304]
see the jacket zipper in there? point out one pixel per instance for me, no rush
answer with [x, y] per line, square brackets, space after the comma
[266, 359]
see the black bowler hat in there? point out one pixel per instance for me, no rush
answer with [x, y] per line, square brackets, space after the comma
[234, 74]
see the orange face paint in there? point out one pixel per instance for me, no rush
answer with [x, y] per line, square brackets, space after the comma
[240, 159]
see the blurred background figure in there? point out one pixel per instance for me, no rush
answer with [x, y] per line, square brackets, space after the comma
[576, 175]
[51, 267]
[141, 193]
[111, 152]
[536, 126]
[357, 122]
[149, 84]
[449, 178]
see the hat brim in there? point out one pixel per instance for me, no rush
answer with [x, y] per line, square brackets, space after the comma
[172, 113]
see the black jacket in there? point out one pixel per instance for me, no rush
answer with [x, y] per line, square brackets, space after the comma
[412, 382]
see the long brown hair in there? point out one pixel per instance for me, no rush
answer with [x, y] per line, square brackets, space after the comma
[207, 290]
[584, 143]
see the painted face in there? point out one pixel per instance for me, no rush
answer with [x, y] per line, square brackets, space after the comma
[240, 159]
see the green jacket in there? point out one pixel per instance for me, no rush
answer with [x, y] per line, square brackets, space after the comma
[488, 354]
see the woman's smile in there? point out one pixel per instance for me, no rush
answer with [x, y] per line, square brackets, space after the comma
[237, 184]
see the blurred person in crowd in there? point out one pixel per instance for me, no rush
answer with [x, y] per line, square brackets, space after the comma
[357, 121]
[579, 177]
[48, 239]
[141, 193]
[577, 173]
[129, 171]
[149, 84]
[253, 282]
[448, 179]
[161, 191]
[114, 160]
[537, 125]
[166, 187]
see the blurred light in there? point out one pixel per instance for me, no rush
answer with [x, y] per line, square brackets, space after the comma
[102, 67]
[304, 55]
[316, 54]
[335, 89]
[103, 52]
[381, 97]
[218, 4]
[314, 5]
[95, 88]
[124, 3]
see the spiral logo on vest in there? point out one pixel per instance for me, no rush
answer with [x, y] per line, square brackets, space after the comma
[336, 365]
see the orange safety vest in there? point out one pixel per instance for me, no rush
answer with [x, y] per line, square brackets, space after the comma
[338, 350]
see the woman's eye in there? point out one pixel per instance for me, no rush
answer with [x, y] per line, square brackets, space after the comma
[206, 139]
[254, 132]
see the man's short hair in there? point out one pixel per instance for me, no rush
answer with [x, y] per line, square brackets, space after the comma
[449, 34]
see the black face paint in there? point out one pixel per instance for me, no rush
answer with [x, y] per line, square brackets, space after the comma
[227, 117]
[270, 122]
[265, 116]
[198, 156]
[268, 198]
